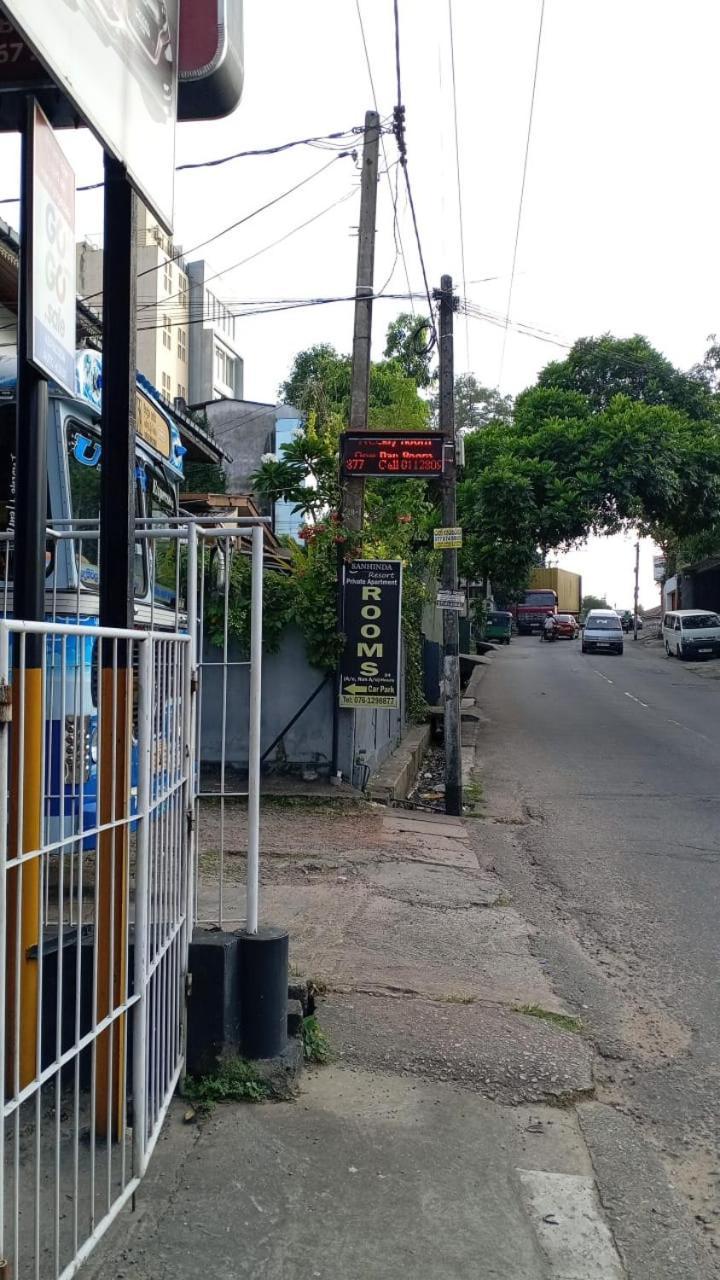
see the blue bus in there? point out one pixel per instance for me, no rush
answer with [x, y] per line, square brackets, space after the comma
[72, 569]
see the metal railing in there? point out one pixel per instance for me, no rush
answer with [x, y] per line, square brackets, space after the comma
[94, 927]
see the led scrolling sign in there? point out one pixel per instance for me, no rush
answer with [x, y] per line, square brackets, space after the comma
[375, 453]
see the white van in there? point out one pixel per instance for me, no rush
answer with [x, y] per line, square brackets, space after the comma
[603, 631]
[691, 633]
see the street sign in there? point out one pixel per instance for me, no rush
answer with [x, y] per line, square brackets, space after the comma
[51, 322]
[115, 62]
[447, 539]
[400, 455]
[370, 663]
[452, 600]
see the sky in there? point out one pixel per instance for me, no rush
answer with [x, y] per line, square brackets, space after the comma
[620, 202]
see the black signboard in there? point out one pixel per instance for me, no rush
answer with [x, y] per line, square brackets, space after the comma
[370, 664]
[376, 453]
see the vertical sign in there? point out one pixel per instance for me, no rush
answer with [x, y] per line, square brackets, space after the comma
[51, 333]
[370, 664]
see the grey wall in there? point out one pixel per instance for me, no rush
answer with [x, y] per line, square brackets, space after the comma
[245, 429]
[288, 679]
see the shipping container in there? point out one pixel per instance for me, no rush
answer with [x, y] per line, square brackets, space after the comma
[566, 585]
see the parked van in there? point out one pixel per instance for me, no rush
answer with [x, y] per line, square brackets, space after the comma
[691, 633]
[603, 631]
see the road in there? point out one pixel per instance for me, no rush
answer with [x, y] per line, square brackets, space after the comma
[604, 773]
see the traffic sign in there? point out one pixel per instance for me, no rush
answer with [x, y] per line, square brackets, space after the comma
[447, 539]
[370, 663]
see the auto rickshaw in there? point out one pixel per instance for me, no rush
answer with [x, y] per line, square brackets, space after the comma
[498, 627]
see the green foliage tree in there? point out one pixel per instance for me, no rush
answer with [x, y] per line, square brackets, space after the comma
[593, 602]
[475, 405]
[408, 342]
[602, 368]
[581, 455]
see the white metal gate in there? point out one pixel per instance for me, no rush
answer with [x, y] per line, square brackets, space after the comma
[95, 875]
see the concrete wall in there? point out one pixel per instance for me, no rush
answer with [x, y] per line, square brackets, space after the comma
[288, 679]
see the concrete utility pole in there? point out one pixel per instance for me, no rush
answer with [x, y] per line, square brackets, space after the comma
[362, 331]
[637, 588]
[352, 490]
[451, 623]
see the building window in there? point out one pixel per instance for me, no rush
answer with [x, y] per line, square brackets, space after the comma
[167, 276]
[224, 367]
[165, 385]
[182, 288]
[182, 344]
[167, 333]
[182, 393]
[208, 305]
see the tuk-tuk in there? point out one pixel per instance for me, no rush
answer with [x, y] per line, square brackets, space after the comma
[498, 627]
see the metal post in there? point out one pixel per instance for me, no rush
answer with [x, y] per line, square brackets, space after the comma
[451, 625]
[140, 1027]
[637, 589]
[117, 571]
[189, 713]
[29, 604]
[254, 730]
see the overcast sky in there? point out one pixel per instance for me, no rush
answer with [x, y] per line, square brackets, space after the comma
[621, 199]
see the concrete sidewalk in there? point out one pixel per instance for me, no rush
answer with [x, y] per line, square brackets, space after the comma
[433, 1147]
[366, 1177]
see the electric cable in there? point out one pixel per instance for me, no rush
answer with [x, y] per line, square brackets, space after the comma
[397, 235]
[522, 190]
[459, 182]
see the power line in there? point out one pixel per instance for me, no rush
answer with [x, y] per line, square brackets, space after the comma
[165, 302]
[393, 196]
[459, 184]
[323, 141]
[399, 130]
[522, 190]
[234, 225]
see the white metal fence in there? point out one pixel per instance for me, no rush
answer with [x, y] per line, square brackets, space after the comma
[94, 880]
[100, 762]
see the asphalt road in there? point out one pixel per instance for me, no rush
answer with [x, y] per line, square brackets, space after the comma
[612, 849]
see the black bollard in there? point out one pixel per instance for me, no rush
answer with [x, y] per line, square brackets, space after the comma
[263, 962]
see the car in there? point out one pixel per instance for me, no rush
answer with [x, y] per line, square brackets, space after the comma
[691, 633]
[603, 632]
[566, 626]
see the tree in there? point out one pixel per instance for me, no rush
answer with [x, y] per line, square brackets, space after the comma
[602, 368]
[408, 342]
[593, 602]
[475, 405]
[576, 460]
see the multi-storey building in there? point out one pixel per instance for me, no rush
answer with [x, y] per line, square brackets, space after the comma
[186, 343]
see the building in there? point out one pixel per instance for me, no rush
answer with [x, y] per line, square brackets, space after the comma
[246, 430]
[186, 342]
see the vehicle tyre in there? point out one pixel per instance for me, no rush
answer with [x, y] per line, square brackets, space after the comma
[667, 650]
[679, 653]
[585, 649]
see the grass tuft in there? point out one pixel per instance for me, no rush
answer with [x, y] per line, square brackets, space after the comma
[564, 1021]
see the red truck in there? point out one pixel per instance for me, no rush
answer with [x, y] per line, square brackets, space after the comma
[531, 614]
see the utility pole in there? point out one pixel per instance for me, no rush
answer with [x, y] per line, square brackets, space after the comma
[451, 624]
[637, 588]
[352, 491]
[362, 331]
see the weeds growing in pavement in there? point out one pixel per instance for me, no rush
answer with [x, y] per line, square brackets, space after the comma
[564, 1021]
[316, 1045]
[234, 1081]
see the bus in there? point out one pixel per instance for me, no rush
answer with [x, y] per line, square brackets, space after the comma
[72, 564]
